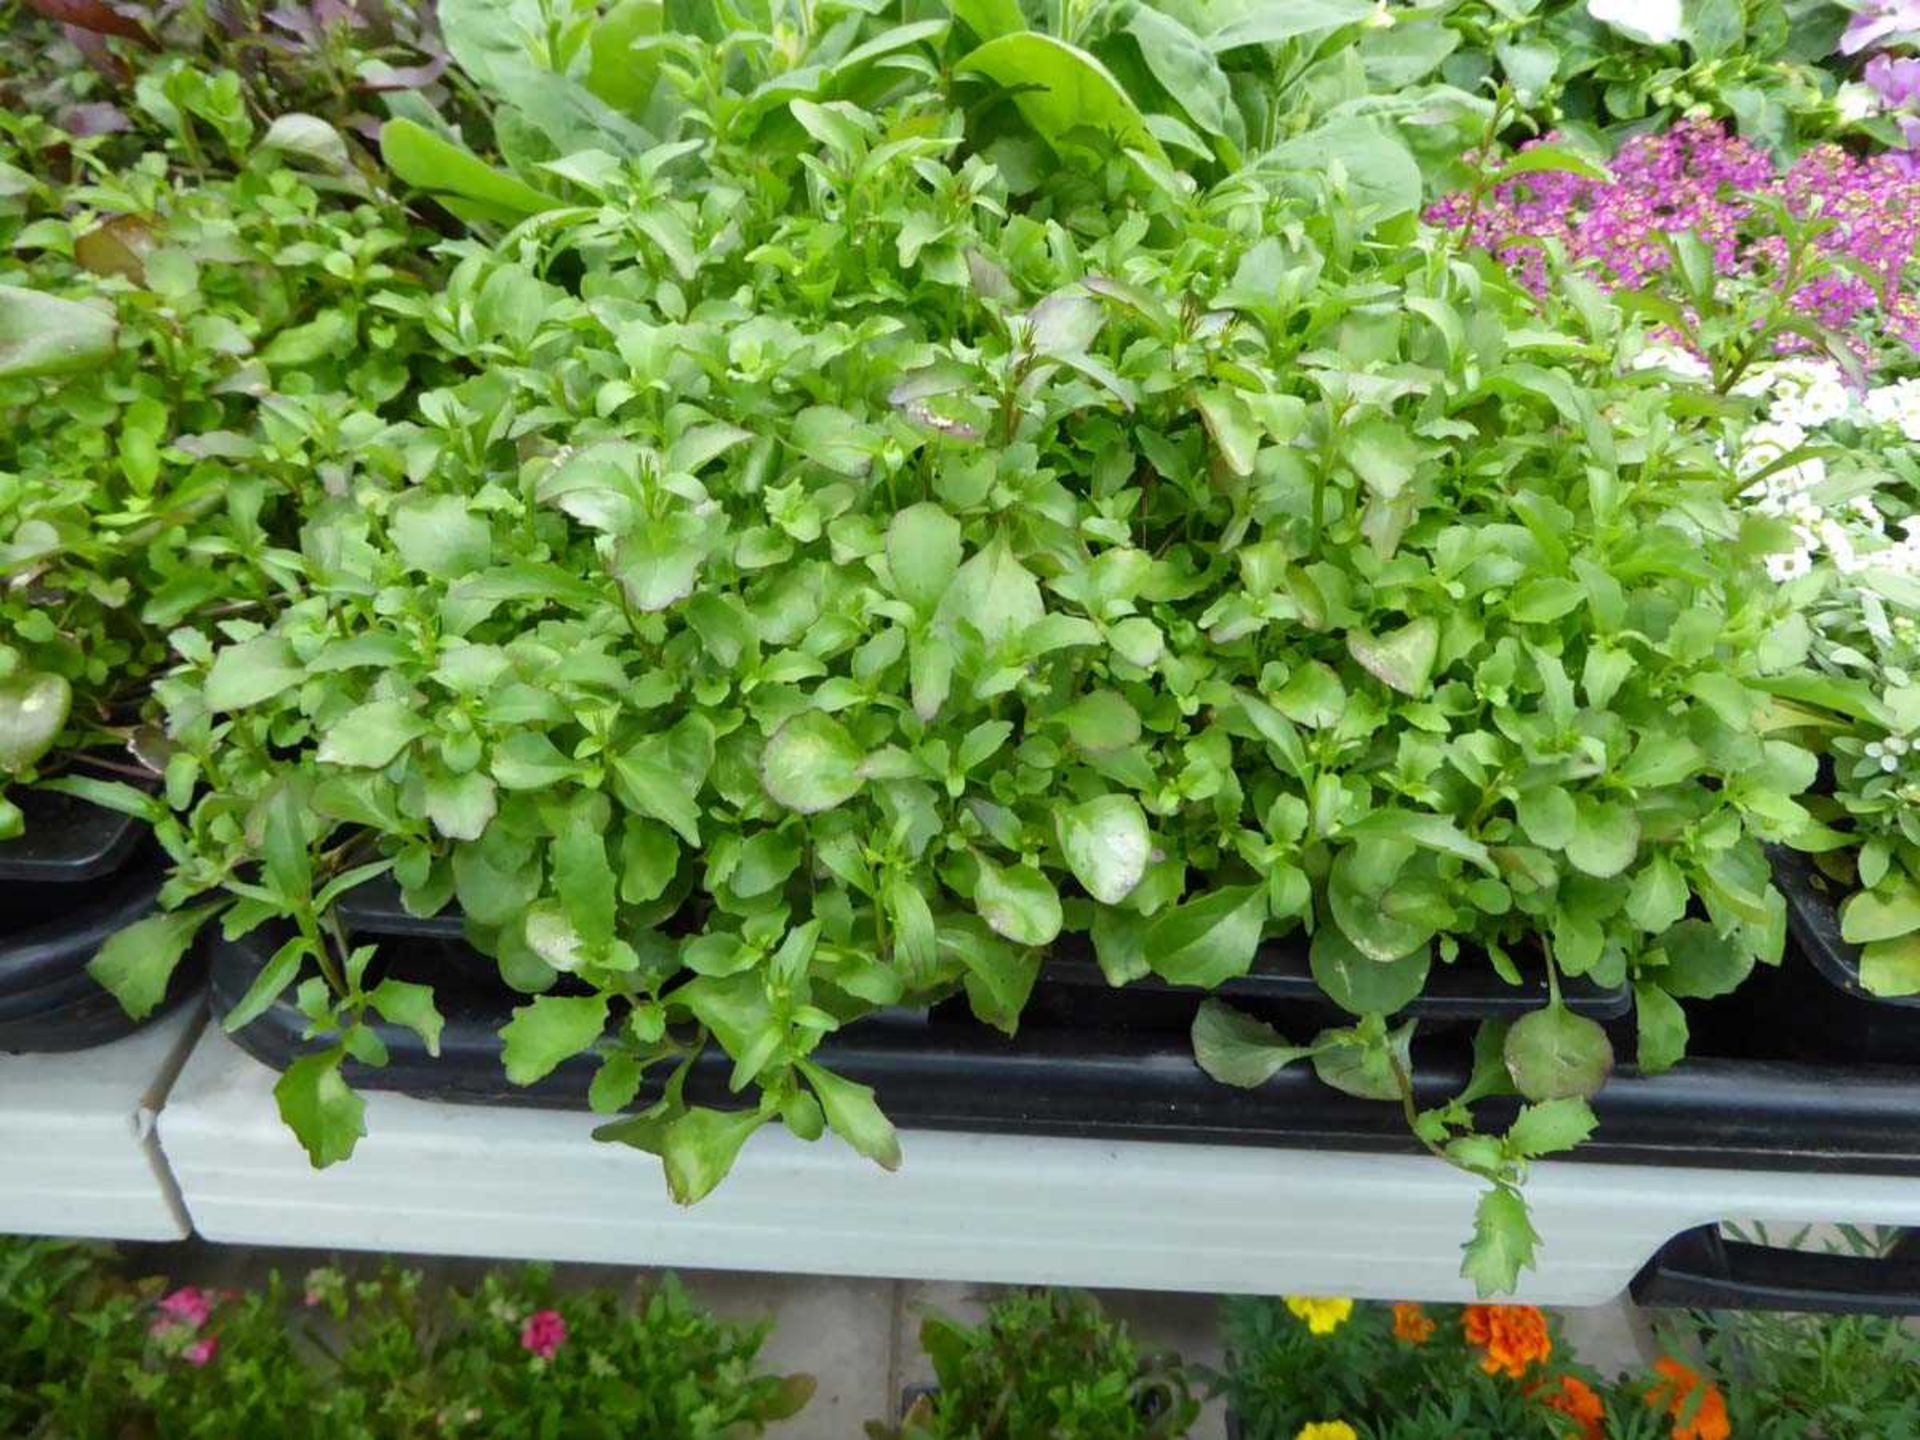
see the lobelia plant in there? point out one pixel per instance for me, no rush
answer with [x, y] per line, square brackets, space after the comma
[174, 356]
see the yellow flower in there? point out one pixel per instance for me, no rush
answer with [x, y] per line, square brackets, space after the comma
[1328, 1430]
[1323, 1317]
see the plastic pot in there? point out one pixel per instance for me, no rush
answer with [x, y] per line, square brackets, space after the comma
[1817, 994]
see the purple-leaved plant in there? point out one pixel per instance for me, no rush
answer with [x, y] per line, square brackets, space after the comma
[1698, 177]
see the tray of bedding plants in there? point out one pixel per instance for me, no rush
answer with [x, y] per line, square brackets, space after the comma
[76, 875]
[1082, 1066]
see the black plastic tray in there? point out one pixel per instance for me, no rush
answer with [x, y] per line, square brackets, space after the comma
[1820, 985]
[941, 1069]
[1704, 1270]
[67, 840]
[48, 1001]
[1072, 980]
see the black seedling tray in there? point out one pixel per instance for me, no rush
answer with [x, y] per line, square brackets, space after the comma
[1072, 986]
[1819, 987]
[941, 1069]
[1702, 1269]
[67, 841]
[48, 1001]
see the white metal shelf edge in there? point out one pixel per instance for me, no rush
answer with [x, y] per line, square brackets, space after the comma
[77, 1131]
[451, 1179]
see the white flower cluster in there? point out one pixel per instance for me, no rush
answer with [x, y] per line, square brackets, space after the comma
[1889, 753]
[1803, 396]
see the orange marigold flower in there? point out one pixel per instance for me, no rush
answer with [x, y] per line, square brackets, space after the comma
[1576, 1398]
[1412, 1324]
[1709, 1420]
[1512, 1337]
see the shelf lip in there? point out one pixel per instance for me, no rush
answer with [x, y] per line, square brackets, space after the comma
[444, 1178]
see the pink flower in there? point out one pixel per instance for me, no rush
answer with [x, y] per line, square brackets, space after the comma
[544, 1333]
[188, 1305]
[201, 1351]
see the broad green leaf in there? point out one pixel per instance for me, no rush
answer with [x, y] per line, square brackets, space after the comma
[584, 879]
[1363, 1068]
[1554, 1054]
[1865, 916]
[1210, 940]
[836, 439]
[401, 1002]
[1891, 968]
[1236, 1049]
[1401, 659]
[1605, 839]
[1231, 423]
[618, 73]
[33, 711]
[1018, 902]
[1101, 721]
[658, 562]
[461, 806]
[990, 19]
[549, 1030]
[323, 1112]
[1659, 895]
[923, 554]
[136, 963]
[42, 335]
[437, 535]
[371, 735]
[1360, 984]
[1503, 1244]
[1106, 843]
[1269, 22]
[1662, 1027]
[250, 672]
[855, 1118]
[994, 593]
[811, 763]
[1070, 99]
[699, 1148]
[661, 775]
[1187, 70]
[1381, 173]
[459, 179]
[1701, 962]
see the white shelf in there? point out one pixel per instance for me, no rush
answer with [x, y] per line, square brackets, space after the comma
[465, 1180]
[77, 1134]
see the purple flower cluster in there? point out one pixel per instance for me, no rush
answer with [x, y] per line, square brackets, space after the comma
[1699, 178]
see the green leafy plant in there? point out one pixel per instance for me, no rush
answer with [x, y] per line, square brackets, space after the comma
[1044, 1363]
[89, 1354]
[829, 575]
[180, 363]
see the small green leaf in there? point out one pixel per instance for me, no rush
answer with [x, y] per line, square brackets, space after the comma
[136, 963]
[855, 1118]
[699, 1148]
[33, 711]
[42, 335]
[1503, 1244]
[461, 806]
[1702, 963]
[551, 1029]
[1018, 902]
[250, 672]
[923, 554]
[1605, 837]
[1554, 1054]
[323, 1112]
[274, 977]
[1891, 968]
[1865, 916]
[1551, 1127]
[1236, 1049]
[811, 763]
[1101, 721]
[1208, 941]
[401, 1002]
[618, 73]
[370, 736]
[1107, 846]
[1400, 659]
[1662, 1027]
[1360, 984]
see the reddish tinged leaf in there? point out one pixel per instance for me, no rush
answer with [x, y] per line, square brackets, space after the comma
[96, 16]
